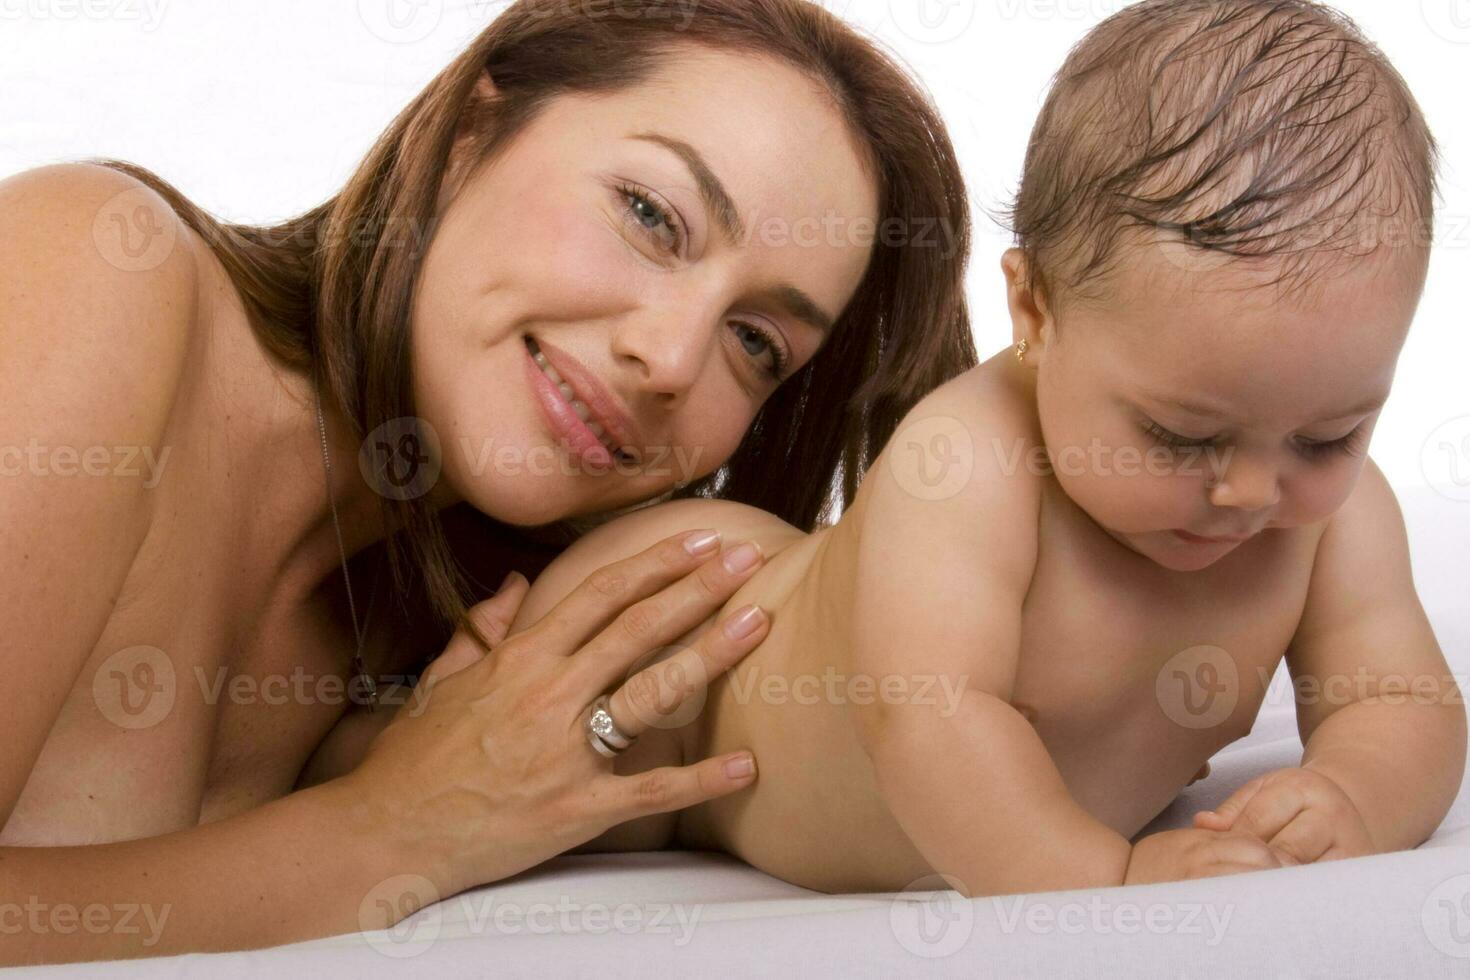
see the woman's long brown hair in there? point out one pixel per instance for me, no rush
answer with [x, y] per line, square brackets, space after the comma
[330, 291]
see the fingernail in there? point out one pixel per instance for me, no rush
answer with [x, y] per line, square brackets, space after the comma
[745, 622]
[702, 542]
[740, 767]
[742, 559]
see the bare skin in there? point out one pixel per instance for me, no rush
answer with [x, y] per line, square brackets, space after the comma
[223, 569]
[817, 818]
[1043, 772]
[235, 575]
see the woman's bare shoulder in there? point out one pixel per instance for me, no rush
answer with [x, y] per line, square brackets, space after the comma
[93, 330]
[100, 285]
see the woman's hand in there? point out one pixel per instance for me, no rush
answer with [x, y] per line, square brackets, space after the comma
[488, 770]
[344, 746]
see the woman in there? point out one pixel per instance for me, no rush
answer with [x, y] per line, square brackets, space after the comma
[648, 253]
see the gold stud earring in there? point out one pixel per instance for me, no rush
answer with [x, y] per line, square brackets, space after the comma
[1021, 352]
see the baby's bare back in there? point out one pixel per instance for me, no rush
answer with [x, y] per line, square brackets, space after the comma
[1132, 675]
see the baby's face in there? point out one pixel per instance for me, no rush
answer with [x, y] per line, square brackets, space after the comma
[1200, 400]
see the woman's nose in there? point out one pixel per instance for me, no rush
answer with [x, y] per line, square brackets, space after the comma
[668, 350]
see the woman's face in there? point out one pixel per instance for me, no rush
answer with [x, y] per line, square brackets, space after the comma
[673, 251]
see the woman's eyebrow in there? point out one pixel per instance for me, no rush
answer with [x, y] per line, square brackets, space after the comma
[799, 305]
[795, 301]
[716, 198]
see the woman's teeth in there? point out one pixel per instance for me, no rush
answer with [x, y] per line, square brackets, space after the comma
[578, 406]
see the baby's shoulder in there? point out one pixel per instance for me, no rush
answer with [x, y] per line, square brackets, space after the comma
[987, 401]
[971, 443]
[956, 490]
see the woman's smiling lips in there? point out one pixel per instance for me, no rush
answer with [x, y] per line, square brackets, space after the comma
[605, 424]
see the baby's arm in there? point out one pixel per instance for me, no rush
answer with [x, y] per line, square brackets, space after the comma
[1378, 711]
[940, 586]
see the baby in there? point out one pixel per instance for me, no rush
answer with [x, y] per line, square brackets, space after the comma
[1068, 578]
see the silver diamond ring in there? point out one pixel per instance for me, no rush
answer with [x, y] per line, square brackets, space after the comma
[602, 731]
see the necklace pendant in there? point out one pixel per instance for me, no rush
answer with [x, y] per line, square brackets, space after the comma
[366, 689]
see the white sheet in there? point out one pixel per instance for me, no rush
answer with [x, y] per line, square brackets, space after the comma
[1404, 914]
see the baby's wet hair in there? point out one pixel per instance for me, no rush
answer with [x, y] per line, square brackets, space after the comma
[1259, 129]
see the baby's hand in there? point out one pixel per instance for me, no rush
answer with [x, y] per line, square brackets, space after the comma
[1300, 813]
[1178, 855]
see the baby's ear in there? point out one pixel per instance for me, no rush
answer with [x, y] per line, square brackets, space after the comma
[1030, 319]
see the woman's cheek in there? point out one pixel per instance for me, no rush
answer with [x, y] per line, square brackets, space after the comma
[578, 258]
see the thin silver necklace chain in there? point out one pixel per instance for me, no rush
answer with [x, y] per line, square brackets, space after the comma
[364, 680]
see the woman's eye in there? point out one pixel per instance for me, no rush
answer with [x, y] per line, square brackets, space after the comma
[756, 342]
[652, 219]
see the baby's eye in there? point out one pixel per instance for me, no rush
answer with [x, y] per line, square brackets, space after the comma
[1173, 439]
[1320, 451]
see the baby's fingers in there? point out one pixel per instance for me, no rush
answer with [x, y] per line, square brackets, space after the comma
[1319, 835]
[1262, 807]
[1269, 811]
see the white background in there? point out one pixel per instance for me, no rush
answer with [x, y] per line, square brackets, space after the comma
[260, 110]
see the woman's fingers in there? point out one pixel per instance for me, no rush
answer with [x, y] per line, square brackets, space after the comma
[676, 787]
[670, 693]
[493, 618]
[611, 589]
[662, 618]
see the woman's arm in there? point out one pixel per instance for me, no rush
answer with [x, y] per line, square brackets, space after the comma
[488, 775]
[308, 865]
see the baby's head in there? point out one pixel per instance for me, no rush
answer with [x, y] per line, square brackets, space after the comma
[1226, 204]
